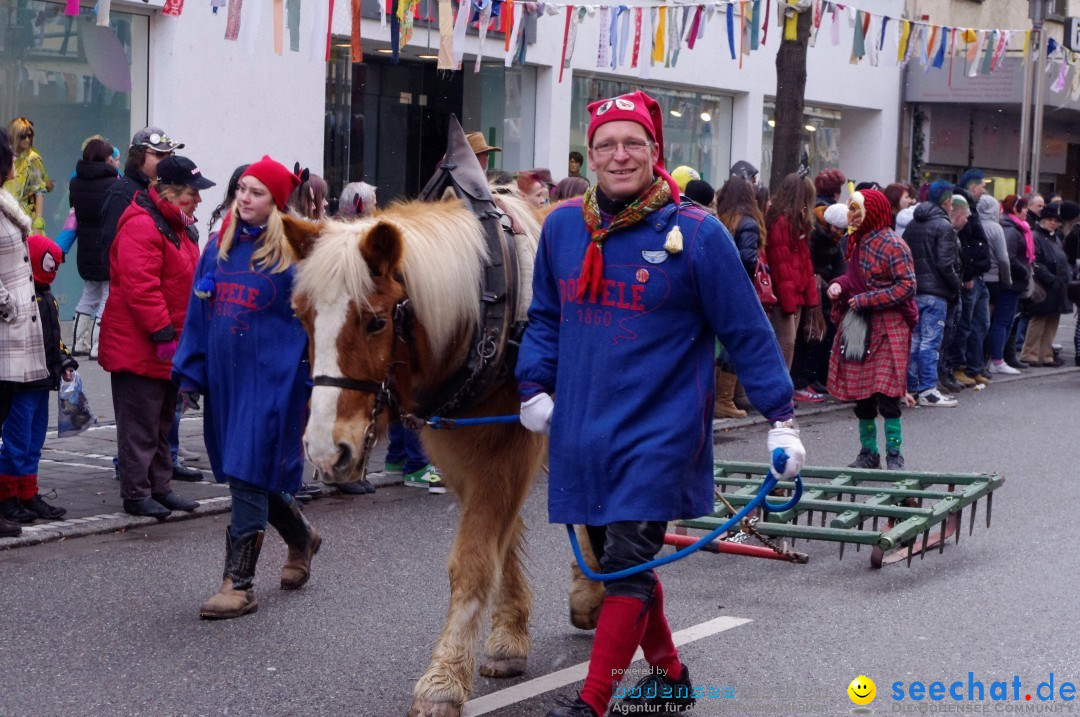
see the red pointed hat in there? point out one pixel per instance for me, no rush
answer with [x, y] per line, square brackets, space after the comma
[634, 107]
[277, 178]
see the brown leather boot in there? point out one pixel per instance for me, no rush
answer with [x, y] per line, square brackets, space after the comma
[302, 540]
[724, 407]
[235, 597]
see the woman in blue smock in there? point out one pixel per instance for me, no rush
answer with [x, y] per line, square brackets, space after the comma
[245, 354]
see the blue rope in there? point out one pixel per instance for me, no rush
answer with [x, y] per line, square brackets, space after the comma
[779, 460]
[437, 422]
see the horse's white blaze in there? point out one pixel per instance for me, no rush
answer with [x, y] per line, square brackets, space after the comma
[319, 436]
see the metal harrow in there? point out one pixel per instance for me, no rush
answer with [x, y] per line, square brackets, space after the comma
[897, 514]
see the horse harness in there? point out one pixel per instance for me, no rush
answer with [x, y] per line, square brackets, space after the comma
[495, 338]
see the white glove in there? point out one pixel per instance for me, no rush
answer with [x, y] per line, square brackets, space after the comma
[787, 439]
[536, 413]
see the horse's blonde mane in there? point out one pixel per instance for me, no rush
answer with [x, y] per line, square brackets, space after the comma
[443, 284]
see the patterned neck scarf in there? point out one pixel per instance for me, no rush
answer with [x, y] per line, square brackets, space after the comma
[656, 196]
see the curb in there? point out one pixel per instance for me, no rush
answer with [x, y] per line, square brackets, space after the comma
[42, 533]
[120, 522]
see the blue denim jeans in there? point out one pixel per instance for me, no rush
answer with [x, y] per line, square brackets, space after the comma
[978, 327]
[954, 348]
[1001, 322]
[252, 507]
[926, 342]
[405, 448]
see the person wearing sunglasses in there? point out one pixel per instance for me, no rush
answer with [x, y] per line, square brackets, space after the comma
[31, 181]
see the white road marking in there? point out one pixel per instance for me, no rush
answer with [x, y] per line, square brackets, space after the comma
[527, 690]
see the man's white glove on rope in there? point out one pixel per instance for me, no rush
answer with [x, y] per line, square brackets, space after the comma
[536, 413]
[787, 440]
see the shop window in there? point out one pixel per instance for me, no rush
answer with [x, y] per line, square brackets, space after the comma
[48, 73]
[821, 139]
[697, 126]
[500, 101]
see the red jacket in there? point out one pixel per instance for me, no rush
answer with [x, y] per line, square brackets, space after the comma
[791, 268]
[151, 268]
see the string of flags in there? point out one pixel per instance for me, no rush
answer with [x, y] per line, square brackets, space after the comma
[643, 34]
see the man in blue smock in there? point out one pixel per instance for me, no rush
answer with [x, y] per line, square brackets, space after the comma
[630, 291]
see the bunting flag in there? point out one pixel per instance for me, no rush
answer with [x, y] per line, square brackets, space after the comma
[858, 47]
[765, 22]
[939, 57]
[743, 50]
[1027, 46]
[279, 20]
[1074, 89]
[604, 46]
[355, 39]
[624, 34]
[292, 11]
[511, 45]
[395, 29]
[251, 30]
[834, 32]
[881, 38]
[565, 38]
[695, 27]
[172, 8]
[104, 12]
[999, 51]
[791, 26]
[905, 35]
[731, 30]
[952, 52]
[1059, 83]
[637, 37]
[755, 25]
[232, 20]
[484, 21]
[988, 52]
[973, 54]
[871, 46]
[72, 8]
[461, 26]
[659, 37]
[406, 12]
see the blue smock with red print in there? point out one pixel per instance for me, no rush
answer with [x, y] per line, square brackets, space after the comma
[631, 369]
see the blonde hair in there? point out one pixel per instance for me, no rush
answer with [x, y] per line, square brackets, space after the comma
[272, 249]
[19, 128]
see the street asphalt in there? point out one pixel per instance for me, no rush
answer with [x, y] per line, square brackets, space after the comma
[107, 624]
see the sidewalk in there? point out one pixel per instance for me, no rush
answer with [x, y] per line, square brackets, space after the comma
[77, 472]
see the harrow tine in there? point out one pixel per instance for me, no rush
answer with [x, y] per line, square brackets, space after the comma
[859, 545]
[874, 524]
[971, 520]
[941, 545]
[910, 551]
[959, 523]
[989, 507]
[925, 542]
[841, 549]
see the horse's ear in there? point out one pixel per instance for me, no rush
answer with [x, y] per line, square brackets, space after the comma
[301, 234]
[381, 249]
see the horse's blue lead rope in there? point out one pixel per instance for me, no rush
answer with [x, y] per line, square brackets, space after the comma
[779, 460]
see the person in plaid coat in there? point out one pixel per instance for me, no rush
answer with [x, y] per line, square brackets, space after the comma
[879, 284]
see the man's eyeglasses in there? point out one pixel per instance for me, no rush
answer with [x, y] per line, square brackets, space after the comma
[633, 146]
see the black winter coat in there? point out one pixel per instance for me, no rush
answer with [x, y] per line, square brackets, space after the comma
[974, 247]
[88, 188]
[935, 250]
[747, 236]
[117, 200]
[1018, 266]
[57, 358]
[1051, 269]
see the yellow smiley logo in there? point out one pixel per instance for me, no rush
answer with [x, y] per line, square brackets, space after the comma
[862, 690]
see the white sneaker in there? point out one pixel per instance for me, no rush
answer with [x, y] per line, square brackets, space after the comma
[1002, 368]
[933, 397]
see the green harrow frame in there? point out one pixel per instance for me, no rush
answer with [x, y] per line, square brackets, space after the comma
[897, 514]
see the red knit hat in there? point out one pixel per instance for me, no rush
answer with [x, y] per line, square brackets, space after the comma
[634, 107]
[277, 178]
[45, 258]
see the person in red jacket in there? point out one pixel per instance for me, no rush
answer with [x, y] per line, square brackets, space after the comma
[788, 225]
[151, 269]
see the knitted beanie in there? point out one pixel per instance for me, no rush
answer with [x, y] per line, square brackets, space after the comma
[277, 178]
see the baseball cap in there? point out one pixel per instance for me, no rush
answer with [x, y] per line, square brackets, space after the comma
[175, 169]
[156, 139]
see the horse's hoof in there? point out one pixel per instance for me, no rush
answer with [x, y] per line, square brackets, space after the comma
[502, 666]
[427, 708]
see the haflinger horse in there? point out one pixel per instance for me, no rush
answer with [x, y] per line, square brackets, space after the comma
[352, 277]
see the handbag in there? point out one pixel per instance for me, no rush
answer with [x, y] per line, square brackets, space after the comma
[1038, 291]
[763, 285]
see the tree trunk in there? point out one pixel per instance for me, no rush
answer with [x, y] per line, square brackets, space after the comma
[790, 101]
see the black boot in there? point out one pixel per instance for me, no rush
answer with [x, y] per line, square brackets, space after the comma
[1009, 354]
[9, 529]
[570, 707]
[302, 540]
[867, 459]
[658, 693]
[13, 510]
[235, 597]
[39, 507]
[894, 461]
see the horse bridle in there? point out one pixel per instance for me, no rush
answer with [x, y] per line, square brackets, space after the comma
[386, 395]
